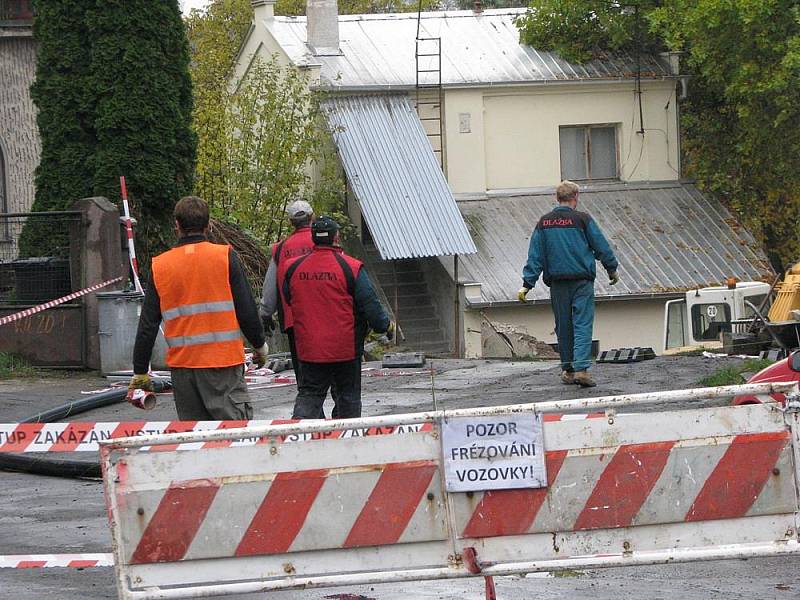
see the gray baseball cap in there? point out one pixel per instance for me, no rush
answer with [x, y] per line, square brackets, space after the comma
[299, 209]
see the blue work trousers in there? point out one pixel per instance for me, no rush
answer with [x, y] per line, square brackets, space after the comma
[573, 308]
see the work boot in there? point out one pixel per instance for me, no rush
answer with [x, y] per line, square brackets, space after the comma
[583, 379]
[567, 377]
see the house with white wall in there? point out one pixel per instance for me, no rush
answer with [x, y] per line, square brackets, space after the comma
[452, 137]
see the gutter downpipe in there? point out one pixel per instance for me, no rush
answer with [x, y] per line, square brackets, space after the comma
[456, 311]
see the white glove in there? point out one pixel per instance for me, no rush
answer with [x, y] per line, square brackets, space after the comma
[260, 356]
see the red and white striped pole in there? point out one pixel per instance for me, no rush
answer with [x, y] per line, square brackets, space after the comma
[129, 230]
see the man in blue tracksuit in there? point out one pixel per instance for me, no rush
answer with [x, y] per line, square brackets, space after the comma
[563, 249]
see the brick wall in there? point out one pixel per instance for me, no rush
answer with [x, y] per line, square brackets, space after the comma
[12, 10]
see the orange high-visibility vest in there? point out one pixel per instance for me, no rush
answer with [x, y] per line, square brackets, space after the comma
[200, 325]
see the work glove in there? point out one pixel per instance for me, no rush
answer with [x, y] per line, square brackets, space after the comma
[390, 331]
[141, 382]
[260, 356]
[613, 278]
[522, 294]
[269, 325]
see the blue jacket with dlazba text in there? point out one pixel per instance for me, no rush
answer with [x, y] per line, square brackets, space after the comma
[565, 245]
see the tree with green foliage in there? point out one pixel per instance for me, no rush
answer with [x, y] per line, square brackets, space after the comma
[487, 4]
[273, 134]
[742, 117]
[215, 34]
[65, 117]
[741, 122]
[580, 30]
[260, 139]
[114, 98]
[143, 110]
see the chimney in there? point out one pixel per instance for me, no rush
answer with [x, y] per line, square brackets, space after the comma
[263, 10]
[323, 27]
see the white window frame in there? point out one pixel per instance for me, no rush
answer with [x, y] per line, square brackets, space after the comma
[588, 150]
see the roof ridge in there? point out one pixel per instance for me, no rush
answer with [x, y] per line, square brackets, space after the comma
[441, 14]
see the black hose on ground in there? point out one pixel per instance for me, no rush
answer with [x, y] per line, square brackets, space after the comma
[58, 467]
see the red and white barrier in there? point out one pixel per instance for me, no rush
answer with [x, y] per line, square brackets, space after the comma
[129, 234]
[42, 307]
[38, 561]
[85, 436]
[639, 488]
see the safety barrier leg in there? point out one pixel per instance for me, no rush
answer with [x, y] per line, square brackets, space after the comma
[473, 566]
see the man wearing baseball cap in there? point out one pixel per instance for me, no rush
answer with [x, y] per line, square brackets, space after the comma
[297, 244]
[333, 306]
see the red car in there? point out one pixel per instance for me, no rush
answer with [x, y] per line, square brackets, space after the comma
[787, 369]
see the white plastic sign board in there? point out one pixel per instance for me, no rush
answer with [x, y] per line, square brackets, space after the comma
[493, 453]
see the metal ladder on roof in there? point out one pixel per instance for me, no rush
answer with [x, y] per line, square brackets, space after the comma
[429, 95]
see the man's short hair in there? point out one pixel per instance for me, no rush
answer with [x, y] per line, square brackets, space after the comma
[191, 213]
[566, 191]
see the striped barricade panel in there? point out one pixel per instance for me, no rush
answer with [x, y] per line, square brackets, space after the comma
[277, 502]
[648, 481]
[344, 508]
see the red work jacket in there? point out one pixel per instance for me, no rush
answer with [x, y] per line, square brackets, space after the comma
[321, 290]
[283, 253]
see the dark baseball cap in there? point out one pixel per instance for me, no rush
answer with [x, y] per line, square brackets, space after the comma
[323, 230]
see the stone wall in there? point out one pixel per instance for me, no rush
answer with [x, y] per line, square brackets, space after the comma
[19, 138]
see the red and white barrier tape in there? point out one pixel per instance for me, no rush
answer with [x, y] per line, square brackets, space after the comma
[35, 561]
[84, 436]
[37, 309]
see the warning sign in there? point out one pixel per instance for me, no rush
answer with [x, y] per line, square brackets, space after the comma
[493, 453]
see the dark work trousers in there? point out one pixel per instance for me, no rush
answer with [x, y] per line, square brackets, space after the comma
[296, 365]
[293, 352]
[211, 394]
[318, 378]
[573, 307]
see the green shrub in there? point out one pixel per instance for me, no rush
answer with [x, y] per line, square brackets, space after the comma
[12, 366]
[114, 98]
[734, 375]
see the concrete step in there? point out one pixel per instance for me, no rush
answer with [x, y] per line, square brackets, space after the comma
[405, 290]
[387, 266]
[420, 326]
[415, 311]
[429, 347]
[401, 277]
[413, 299]
[383, 270]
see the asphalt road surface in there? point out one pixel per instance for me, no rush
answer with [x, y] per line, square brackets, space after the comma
[40, 515]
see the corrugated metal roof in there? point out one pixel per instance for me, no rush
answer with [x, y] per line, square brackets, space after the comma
[667, 238]
[379, 51]
[395, 177]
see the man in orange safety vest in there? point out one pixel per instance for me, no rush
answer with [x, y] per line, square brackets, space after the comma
[200, 292]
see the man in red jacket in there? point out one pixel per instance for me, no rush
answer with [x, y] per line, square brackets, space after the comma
[333, 305]
[283, 253]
